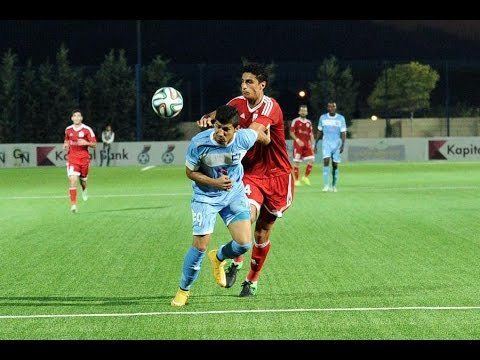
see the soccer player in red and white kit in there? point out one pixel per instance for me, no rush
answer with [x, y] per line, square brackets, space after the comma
[301, 131]
[78, 138]
[268, 176]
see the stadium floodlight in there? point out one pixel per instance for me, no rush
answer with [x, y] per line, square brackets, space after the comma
[374, 117]
[302, 93]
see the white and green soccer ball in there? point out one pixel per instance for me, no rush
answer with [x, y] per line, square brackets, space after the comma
[167, 102]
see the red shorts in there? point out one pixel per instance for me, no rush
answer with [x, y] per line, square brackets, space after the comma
[275, 194]
[301, 153]
[79, 169]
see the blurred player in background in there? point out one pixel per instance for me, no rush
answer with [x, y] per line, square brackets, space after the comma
[214, 164]
[268, 174]
[78, 138]
[108, 136]
[333, 133]
[301, 131]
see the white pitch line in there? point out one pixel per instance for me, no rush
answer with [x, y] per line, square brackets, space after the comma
[147, 168]
[419, 188]
[349, 189]
[251, 311]
[91, 196]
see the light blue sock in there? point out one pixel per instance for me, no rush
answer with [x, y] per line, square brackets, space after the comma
[335, 177]
[191, 267]
[326, 175]
[232, 250]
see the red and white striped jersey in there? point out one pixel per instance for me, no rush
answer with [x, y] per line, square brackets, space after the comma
[270, 160]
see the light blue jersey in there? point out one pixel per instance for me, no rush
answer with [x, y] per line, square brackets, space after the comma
[207, 156]
[332, 127]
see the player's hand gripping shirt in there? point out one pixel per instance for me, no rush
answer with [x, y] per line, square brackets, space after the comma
[264, 160]
[207, 156]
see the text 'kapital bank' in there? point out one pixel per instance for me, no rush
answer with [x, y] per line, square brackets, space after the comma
[463, 150]
[61, 155]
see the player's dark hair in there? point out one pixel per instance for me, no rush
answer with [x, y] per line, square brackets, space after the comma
[75, 111]
[227, 114]
[259, 70]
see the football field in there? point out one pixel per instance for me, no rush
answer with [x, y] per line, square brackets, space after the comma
[395, 254]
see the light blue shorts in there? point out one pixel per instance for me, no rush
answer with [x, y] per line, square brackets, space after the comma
[332, 151]
[234, 208]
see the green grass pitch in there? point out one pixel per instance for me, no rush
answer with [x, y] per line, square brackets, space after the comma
[395, 235]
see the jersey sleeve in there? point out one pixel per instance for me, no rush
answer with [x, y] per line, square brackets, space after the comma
[271, 115]
[192, 160]
[66, 135]
[233, 102]
[247, 138]
[343, 127]
[91, 135]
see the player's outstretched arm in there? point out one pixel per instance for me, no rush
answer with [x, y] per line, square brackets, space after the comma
[222, 183]
[262, 131]
[207, 120]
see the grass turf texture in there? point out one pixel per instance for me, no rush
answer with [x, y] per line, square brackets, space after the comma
[394, 235]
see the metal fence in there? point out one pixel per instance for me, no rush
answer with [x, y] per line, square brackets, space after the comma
[205, 86]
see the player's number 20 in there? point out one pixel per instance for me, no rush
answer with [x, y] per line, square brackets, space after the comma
[197, 218]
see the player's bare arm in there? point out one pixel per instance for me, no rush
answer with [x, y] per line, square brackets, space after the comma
[207, 120]
[344, 138]
[319, 137]
[263, 133]
[222, 183]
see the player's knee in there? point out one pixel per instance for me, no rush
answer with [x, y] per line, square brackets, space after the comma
[200, 247]
[261, 236]
[200, 242]
[262, 231]
[253, 213]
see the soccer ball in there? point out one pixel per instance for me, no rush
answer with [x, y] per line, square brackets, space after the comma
[167, 102]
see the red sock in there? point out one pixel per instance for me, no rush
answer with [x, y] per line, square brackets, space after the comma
[295, 171]
[259, 255]
[308, 170]
[73, 195]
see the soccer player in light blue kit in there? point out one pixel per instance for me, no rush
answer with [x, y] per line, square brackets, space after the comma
[213, 162]
[333, 133]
